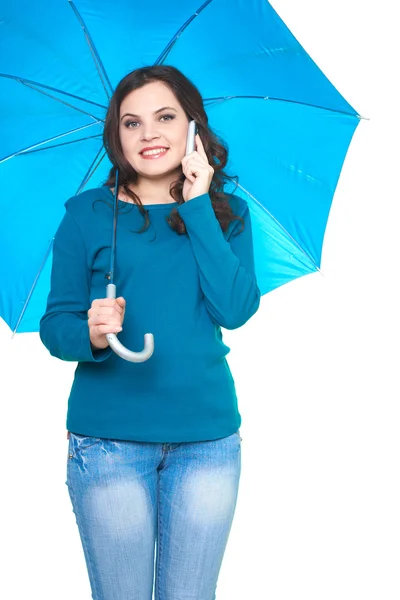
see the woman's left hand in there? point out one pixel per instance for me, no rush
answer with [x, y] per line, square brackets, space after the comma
[198, 172]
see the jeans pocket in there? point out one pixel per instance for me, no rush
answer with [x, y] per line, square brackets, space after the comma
[78, 443]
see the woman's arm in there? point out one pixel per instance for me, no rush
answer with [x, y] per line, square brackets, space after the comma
[226, 268]
[64, 326]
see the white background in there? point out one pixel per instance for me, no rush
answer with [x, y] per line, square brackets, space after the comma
[316, 370]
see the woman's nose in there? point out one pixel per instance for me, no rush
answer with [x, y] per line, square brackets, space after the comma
[149, 134]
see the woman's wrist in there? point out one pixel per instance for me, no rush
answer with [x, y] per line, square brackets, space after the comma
[93, 347]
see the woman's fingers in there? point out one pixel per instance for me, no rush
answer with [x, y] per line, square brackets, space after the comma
[106, 315]
[104, 320]
[109, 328]
[106, 328]
[106, 310]
[101, 324]
[108, 303]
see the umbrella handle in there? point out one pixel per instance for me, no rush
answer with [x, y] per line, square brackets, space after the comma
[116, 345]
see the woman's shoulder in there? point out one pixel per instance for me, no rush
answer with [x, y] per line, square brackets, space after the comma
[81, 202]
[238, 204]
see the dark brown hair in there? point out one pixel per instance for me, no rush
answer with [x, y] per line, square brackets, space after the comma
[192, 103]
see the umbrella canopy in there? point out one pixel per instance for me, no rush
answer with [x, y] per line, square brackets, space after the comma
[287, 127]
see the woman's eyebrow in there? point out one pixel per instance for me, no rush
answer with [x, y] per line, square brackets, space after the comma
[155, 112]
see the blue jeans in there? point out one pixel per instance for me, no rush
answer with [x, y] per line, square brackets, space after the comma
[129, 497]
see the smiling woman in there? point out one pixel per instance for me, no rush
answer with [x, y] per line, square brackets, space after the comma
[143, 433]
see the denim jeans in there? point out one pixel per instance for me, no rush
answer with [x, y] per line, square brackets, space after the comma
[130, 498]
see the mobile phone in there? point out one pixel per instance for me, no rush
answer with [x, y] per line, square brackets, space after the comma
[190, 140]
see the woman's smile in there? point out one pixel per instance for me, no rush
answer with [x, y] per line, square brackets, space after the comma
[154, 154]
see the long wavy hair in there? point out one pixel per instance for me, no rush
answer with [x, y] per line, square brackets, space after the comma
[191, 101]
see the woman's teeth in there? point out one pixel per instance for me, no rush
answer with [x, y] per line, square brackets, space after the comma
[151, 152]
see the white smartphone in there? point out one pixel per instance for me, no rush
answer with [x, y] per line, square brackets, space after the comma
[190, 140]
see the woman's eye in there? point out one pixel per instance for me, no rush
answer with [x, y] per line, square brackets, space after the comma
[128, 123]
[170, 116]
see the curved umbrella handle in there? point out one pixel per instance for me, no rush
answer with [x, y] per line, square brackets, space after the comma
[119, 349]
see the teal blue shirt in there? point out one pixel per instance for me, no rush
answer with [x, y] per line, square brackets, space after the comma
[182, 288]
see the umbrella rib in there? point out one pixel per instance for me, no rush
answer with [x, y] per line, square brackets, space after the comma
[174, 38]
[29, 148]
[95, 55]
[89, 137]
[83, 183]
[89, 174]
[32, 288]
[281, 226]
[61, 101]
[48, 87]
[223, 98]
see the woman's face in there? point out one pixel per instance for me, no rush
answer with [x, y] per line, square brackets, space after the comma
[141, 126]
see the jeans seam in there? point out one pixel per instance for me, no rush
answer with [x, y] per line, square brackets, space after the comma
[159, 541]
[86, 548]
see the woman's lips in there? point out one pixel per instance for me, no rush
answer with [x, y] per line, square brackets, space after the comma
[154, 156]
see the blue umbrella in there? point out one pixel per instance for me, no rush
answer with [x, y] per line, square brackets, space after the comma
[287, 127]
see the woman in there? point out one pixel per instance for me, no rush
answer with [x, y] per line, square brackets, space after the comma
[154, 447]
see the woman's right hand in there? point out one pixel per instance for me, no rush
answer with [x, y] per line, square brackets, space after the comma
[106, 315]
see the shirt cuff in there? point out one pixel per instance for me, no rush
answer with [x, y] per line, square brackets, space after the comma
[92, 355]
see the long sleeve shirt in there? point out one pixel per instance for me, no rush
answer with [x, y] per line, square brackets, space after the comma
[182, 288]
